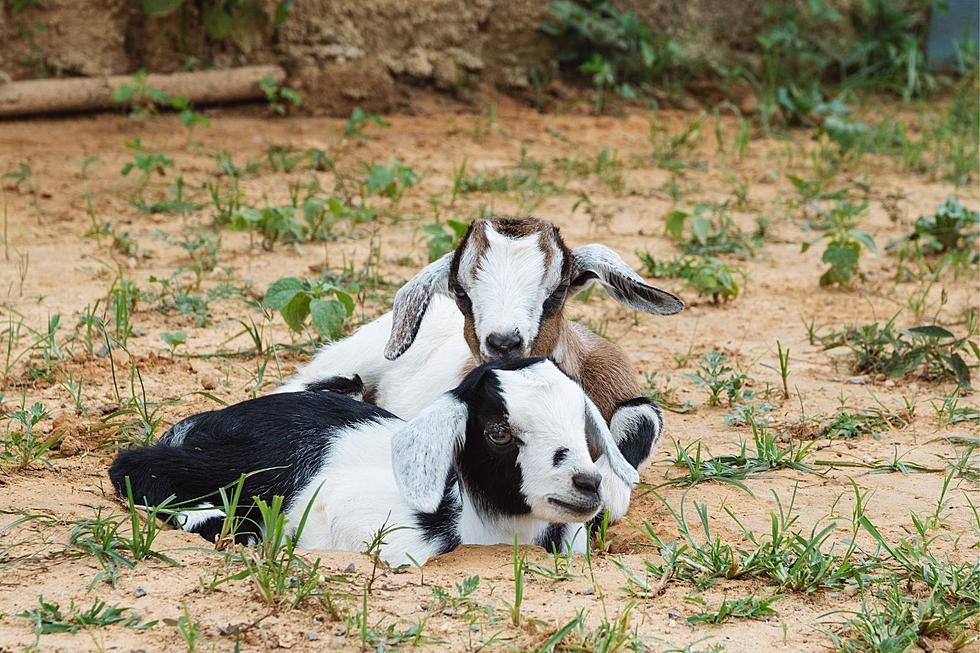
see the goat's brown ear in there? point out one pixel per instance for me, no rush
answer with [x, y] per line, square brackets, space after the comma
[599, 263]
[411, 302]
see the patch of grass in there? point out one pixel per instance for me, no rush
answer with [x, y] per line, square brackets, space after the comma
[23, 443]
[798, 561]
[748, 607]
[930, 351]
[709, 277]
[614, 49]
[664, 394]
[700, 466]
[49, 618]
[712, 232]
[718, 379]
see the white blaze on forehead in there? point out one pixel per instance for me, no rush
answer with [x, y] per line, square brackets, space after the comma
[508, 282]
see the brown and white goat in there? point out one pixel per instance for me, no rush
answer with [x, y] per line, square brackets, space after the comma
[500, 295]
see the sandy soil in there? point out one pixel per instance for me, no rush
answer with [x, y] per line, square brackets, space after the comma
[51, 267]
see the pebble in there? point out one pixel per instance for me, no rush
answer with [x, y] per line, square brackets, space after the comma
[588, 591]
[673, 614]
[856, 380]
[350, 569]
[312, 636]
[139, 592]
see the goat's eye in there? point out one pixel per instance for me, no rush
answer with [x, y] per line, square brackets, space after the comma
[462, 299]
[556, 298]
[499, 435]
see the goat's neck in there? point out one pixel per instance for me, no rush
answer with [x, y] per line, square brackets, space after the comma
[476, 526]
[570, 350]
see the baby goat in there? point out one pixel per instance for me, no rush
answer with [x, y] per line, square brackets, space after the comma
[509, 279]
[507, 452]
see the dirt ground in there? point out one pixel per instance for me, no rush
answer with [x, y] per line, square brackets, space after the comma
[51, 266]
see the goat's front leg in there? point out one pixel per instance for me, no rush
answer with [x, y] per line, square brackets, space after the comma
[636, 426]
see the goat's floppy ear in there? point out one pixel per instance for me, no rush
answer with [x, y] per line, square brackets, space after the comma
[423, 451]
[599, 263]
[601, 442]
[411, 302]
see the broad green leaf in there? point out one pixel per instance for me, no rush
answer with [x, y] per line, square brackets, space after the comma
[216, 21]
[328, 317]
[282, 292]
[930, 330]
[173, 339]
[675, 223]
[296, 310]
[346, 300]
[960, 368]
[700, 227]
[864, 239]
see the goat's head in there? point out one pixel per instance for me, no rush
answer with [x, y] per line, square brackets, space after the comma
[510, 279]
[522, 437]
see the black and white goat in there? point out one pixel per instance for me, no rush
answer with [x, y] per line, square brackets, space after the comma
[509, 280]
[507, 452]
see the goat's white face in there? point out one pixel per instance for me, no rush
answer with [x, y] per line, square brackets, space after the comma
[510, 278]
[521, 435]
[547, 418]
[501, 284]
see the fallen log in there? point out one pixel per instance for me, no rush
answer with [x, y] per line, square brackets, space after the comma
[201, 87]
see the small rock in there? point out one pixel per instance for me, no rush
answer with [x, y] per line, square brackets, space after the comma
[889, 383]
[139, 592]
[350, 569]
[208, 382]
[673, 614]
[588, 591]
[856, 380]
[68, 445]
[102, 352]
[474, 628]
[671, 622]
[312, 636]
[448, 612]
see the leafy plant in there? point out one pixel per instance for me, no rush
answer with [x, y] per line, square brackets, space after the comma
[952, 228]
[390, 180]
[844, 243]
[717, 377]
[49, 618]
[238, 21]
[929, 351]
[279, 98]
[296, 299]
[359, 120]
[717, 234]
[748, 607]
[443, 238]
[709, 277]
[23, 443]
[615, 49]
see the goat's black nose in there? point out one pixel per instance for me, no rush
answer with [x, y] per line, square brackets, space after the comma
[504, 345]
[587, 482]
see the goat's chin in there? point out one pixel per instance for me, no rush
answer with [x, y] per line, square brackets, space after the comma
[567, 509]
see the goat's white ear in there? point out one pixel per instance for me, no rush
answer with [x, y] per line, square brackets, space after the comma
[411, 302]
[423, 451]
[601, 442]
[599, 263]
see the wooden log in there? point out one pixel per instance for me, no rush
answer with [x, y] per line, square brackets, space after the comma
[201, 87]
